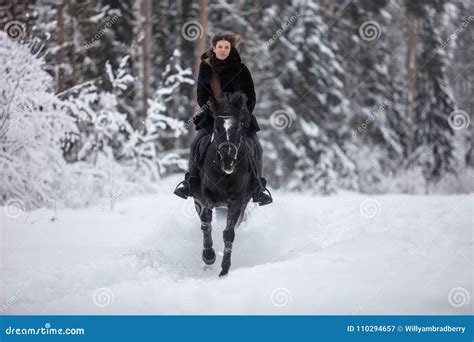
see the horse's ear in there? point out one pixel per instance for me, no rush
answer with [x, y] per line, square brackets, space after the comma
[238, 100]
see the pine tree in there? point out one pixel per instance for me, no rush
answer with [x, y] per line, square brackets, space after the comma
[314, 158]
[87, 35]
[434, 103]
[374, 91]
[162, 128]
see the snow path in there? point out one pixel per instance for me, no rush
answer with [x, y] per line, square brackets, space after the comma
[301, 255]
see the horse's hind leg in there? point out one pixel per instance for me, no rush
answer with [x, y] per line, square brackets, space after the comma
[235, 211]
[205, 214]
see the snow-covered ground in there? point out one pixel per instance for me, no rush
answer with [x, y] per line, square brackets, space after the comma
[343, 254]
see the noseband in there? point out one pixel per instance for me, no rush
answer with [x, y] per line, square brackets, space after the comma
[226, 143]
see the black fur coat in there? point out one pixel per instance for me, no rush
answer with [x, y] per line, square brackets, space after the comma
[234, 76]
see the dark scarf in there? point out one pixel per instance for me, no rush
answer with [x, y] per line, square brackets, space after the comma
[228, 66]
[224, 73]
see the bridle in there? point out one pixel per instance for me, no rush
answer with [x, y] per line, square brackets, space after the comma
[225, 143]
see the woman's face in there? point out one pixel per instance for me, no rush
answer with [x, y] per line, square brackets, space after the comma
[222, 49]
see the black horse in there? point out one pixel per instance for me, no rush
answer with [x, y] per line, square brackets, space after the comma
[225, 174]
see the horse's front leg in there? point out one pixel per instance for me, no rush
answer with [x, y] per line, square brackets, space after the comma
[234, 212]
[205, 214]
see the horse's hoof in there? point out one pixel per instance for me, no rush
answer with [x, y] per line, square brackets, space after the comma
[224, 272]
[208, 256]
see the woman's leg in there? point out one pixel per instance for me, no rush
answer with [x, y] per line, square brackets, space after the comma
[184, 189]
[192, 167]
[258, 154]
[260, 196]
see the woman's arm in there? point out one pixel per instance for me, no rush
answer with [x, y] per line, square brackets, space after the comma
[202, 119]
[203, 93]
[248, 88]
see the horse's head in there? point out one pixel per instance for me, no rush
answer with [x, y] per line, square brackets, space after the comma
[230, 118]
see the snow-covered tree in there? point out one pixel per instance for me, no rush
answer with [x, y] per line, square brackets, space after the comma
[162, 128]
[78, 37]
[335, 80]
[169, 94]
[457, 43]
[102, 122]
[374, 89]
[106, 131]
[34, 124]
[311, 147]
[434, 103]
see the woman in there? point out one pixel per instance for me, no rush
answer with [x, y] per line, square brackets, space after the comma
[230, 75]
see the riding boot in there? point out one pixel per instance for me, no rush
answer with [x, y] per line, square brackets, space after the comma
[259, 182]
[259, 195]
[186, 188]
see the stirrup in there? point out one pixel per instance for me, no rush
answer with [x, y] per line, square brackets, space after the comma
[180, 192]
[258, 197]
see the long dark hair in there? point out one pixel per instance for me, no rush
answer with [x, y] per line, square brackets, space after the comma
[234, 39]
